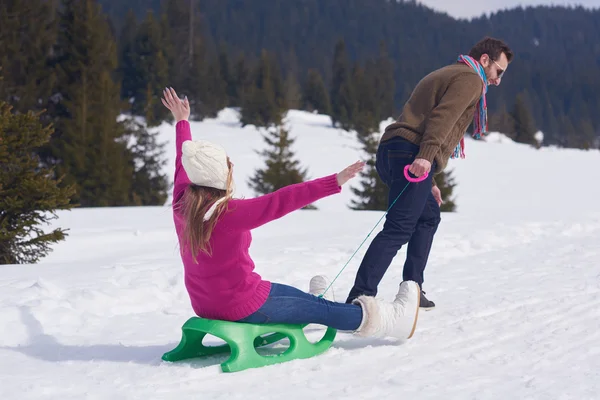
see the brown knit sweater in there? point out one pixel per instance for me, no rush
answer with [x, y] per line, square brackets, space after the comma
[438, 112]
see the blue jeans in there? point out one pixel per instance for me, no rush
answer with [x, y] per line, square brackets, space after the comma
[413, 219]
[289, 305]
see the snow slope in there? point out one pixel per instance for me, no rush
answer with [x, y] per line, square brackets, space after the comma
[515, 274]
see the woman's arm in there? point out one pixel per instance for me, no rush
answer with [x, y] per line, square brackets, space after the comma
[252, 213]
[181, 180]
[181, 112]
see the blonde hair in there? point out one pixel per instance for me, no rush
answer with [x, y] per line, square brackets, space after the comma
[196, 201]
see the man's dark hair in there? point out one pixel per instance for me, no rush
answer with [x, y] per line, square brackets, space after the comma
[492, 47]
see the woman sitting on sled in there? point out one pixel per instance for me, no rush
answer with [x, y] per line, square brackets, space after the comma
[214, 236]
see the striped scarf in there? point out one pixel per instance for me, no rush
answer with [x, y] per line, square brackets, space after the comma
[480, 123]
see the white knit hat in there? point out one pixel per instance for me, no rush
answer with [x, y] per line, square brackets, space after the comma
[205, 163]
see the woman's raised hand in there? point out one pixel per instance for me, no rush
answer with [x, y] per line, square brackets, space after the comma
[179, 108]
[349, 172]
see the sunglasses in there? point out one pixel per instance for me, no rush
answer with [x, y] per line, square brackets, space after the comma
[500, 70]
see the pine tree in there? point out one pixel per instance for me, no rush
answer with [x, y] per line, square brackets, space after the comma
[207, 87]
[127, 57]
[565, 87]
[501, 121]
[281, 169]
[584, 136]
[146, 71]
[152, 70]
[227, 75]
[150, 184]
[550, 117]
[381, 72]
[181, 36]
[196, 86]
[278, 84]
[27, 33]
[293, 92]
[264, 103]
[567, 130]
[525, 129]
[343, 97]
[29, 195]
[445, 182]
[314, 94]
[242, 79]
[86, 148]
[373, 193]
[364, 119]
[215, 96]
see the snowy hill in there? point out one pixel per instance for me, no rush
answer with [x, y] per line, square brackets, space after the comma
[515, 274]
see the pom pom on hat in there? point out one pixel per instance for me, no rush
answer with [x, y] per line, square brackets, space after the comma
[205, 163]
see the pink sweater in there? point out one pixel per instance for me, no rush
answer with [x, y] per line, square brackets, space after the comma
[224, 286]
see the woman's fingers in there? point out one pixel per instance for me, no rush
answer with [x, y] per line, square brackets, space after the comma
[174, 96]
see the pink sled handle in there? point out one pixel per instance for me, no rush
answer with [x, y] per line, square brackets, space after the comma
[414, 180]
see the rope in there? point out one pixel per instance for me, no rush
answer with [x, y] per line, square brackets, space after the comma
[365, 239]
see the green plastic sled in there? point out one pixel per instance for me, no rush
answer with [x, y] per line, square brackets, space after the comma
[242, 339]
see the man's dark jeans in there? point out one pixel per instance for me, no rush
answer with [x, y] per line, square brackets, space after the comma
[413, 219]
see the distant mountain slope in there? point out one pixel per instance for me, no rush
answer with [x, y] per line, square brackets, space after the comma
[557, 49]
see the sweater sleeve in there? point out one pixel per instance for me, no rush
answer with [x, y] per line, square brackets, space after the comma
[463, 92]
[181, 180]
[252, 213]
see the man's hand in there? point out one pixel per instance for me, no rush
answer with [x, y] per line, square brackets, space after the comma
[437, 194]
[179, 108]
[419, 167]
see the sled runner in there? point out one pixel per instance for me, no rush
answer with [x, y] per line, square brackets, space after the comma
[242, 339]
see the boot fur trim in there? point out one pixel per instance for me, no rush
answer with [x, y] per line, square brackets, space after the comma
[371, 321]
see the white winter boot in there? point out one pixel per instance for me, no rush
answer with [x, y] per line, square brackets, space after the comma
[318, 284]
[397, 319]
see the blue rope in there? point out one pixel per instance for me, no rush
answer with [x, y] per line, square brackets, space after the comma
[347, 262]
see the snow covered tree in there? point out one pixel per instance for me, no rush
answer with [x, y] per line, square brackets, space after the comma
[150, 184]
[29, 194]
[281, 168]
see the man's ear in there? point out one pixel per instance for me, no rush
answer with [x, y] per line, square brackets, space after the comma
[484, 60]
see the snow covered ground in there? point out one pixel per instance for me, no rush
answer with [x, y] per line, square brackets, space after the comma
[515, 274]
